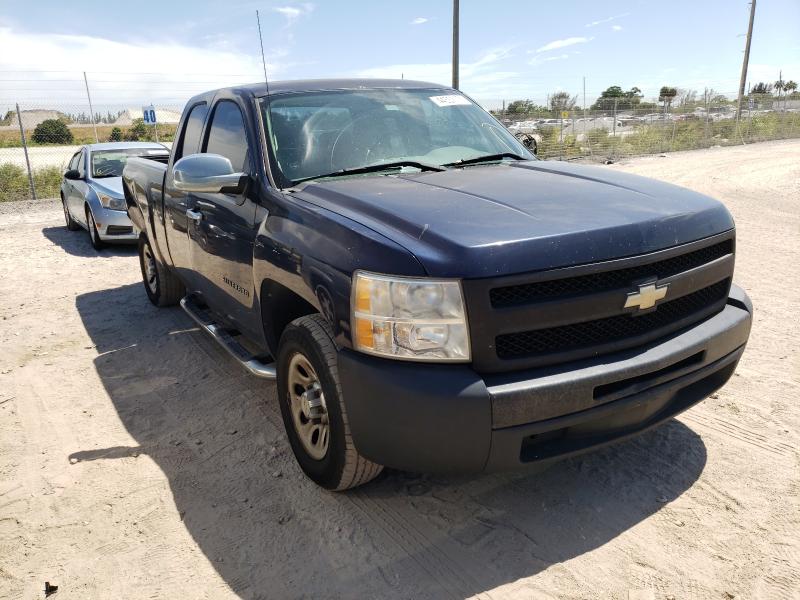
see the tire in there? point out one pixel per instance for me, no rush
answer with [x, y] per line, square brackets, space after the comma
[340, 467]
[72, 225]
[94, 237]
[162, 286]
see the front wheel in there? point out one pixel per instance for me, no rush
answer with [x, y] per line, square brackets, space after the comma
[313, 411]
[162, 286]
[97, 243]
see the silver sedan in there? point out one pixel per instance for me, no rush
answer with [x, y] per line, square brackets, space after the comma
[91, 191]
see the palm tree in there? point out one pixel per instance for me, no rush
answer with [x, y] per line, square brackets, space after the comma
[666, 95]
[779, 86]
[790, 87]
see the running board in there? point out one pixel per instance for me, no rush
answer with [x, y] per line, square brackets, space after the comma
[252, 363]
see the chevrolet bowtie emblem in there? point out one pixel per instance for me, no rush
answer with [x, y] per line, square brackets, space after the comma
[646, 296]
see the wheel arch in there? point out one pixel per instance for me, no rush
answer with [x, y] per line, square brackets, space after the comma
[279, 307]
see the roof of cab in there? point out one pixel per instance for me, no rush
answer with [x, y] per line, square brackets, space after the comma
[125, 145]
[315, 85]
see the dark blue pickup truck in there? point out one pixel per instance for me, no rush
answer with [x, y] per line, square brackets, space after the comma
[429, 296]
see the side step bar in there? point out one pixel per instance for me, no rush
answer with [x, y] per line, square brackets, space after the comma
[252, 363]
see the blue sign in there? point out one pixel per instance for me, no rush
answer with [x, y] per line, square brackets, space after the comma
[149, 113]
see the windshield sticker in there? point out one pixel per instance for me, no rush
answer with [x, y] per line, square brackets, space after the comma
[450, 100]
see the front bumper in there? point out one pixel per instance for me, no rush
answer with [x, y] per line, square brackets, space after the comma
[114, 225]
[447, 418]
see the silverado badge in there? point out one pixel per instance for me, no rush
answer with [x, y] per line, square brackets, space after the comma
[646, 296]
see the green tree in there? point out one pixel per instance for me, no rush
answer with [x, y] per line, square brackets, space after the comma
[790, 87]
[561, 101]
[52, 131]
[115, 135]
[522, 107]
[666, 95]
[615, 96]
[137, 132]
[761, 88]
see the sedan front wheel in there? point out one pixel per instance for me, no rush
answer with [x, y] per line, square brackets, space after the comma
[97, 243]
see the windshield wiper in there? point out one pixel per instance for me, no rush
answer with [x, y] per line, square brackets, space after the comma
[486, 158]
[374, 169]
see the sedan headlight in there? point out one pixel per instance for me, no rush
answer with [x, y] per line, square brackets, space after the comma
[411, 319]
[111, 202]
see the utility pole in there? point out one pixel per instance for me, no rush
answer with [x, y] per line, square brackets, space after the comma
[584, 106]
[91, 110]
[746, 59]
[455, 44]
[25, 148]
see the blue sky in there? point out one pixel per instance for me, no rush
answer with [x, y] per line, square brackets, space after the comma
[167, 50]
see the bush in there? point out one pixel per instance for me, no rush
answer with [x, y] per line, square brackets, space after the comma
[52, 131]
[137, 132]
[115, 135]
[47, 182]
[14, 184]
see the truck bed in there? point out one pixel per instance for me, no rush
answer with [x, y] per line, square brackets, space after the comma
[143, 182]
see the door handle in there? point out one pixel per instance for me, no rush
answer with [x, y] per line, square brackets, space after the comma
[194, 215]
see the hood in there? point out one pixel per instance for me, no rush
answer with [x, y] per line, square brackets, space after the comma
[528, 216]
[111, 186]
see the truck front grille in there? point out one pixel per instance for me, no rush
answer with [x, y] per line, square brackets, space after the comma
[544, 318]
[611, 329]
[516, 295]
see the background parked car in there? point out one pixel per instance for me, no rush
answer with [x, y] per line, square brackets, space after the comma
[91, 191]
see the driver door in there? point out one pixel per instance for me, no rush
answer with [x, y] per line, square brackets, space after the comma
[223, 227]
[77, 188]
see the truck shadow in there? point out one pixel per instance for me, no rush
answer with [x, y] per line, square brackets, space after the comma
[77, 243]
[217, 435]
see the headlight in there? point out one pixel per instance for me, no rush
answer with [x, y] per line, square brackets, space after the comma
[111, 202]
[411, 319]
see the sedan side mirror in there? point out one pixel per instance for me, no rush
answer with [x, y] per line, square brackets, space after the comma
[207, 173]
[72, 174]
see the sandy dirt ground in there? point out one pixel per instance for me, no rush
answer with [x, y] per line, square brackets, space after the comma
[138, 461]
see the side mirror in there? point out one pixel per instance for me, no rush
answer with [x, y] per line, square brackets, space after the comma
[72, 174]
[207, 173]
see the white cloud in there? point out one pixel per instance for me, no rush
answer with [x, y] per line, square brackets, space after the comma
[537, 60]
[479, 77]
[616, 27]
[294, 11]
[121, 72]
[419, 21]
[556, 44]
[608, 20]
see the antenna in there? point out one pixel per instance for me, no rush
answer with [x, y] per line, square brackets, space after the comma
[263, 60]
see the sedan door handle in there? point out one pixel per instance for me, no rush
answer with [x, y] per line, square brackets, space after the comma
[194, 215]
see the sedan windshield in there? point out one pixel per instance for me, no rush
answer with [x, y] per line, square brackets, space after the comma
[319, 134]
[109, 163]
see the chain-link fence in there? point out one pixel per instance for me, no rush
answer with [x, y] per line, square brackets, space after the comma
[38, 138]
[610, 135]
[37, 141]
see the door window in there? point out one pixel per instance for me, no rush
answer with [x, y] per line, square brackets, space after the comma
[73, 163]
[81, 163]
[190, 140]
[227, 136]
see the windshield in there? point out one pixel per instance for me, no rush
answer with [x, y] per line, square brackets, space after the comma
[109, 163]
[314, 134]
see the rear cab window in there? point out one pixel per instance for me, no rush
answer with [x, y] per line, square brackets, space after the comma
[192, 131]
[227, 136]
